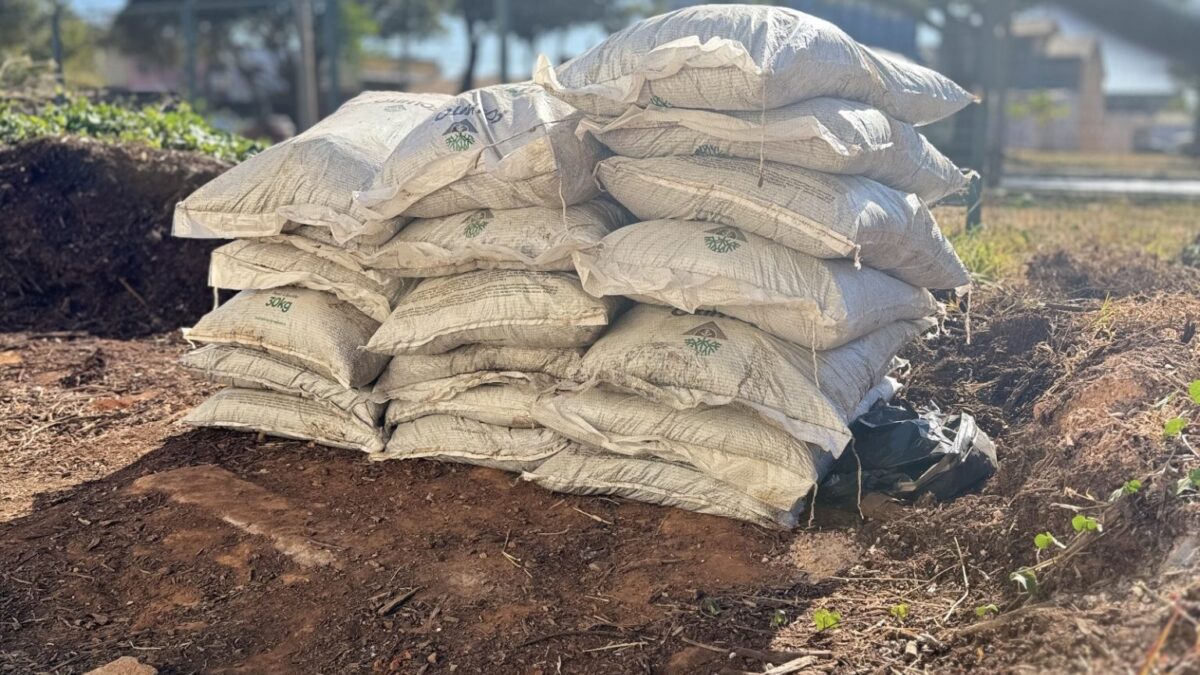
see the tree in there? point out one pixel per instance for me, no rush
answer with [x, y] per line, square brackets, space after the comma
[531, 19]
[1043, 109]
[25, 27]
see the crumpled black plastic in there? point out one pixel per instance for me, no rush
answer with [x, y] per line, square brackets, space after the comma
[906, 453]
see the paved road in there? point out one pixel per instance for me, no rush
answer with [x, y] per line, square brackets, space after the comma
[1149, 187]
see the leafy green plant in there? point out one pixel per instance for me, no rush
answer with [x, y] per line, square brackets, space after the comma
[824, 619]
[710, 607]
[899, 612]
[1131, 487]
[1045, 540]
[1082, 523]
[176, 128]
[983, 610]
[1174, 427]
[1194, 391]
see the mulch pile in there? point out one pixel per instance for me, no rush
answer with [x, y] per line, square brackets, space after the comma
[85, 232]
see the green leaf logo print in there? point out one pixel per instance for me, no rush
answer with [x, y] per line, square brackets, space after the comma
[660, 102]
[460, 135]
[709, 150]
[476, 222]
[704, 339]
[724, 239]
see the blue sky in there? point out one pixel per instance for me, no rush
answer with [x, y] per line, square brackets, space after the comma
[1127, 68]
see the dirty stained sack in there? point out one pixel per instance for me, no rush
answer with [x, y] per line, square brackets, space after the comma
[432, 377]
[731, 443]
[510, 308]
[457, 439]
[500, 147]
[687, 360]
[506, 405]
[824, 134]
[247, 264]
[310, 328]
[693, 265]
[744, 57]
[586, 471]
[278, 414]
[310, 178]
[533, 238]
[252, 369]
[823, 215]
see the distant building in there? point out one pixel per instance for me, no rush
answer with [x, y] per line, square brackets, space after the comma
[1056, 94]
[1146, 123]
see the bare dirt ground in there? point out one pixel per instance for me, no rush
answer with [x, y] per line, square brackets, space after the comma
[211, 551]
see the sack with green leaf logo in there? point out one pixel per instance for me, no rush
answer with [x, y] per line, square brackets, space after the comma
[500, 147]
[694, 265]
[689, 360]
[533, 238]
[311, 178]
[287, 416]
[823, 134]
[820, 214]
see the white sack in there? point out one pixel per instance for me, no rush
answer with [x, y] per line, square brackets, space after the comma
[533, 238]
[252, 369]
[433, 377]
[306, 327]
[823, 215]
[731, 443]
[455, 439]
[310, 178]
[502, 147]
[823, 134]
[277, 414]
[685, 361]
[583, 471]
[249, 264]
[507, 308]
[692, 265]
[744, 57]
[506, 405]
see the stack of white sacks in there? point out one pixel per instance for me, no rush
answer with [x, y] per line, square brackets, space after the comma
[459, 294]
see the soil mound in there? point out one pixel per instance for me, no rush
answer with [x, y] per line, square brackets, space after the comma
[86, 235]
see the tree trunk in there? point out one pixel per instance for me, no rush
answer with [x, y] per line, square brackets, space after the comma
[468, 76]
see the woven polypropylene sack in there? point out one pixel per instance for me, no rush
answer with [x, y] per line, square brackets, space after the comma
[687, 360]
[744, 57]
[306, 327]
[693, 265]
[431, 377]
[249, 264]
[585, 471]
[456, 439]
[310, 178]
[823, 215]
[534, 238]
[731, 443]
[546, 310]
[252, 369]
[824, 134]
[506, 405]
[287, 416]
[500, 147]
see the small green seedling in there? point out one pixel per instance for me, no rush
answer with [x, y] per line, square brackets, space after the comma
[1189, 483]
[983, 610]
[1045, 540]
[825, 620]
[1026, 579]
[1194, 391]
[1131, 487]
[1082, 523]
[710, 607]
[1174, 427]
[779, 619]
[899, 612]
